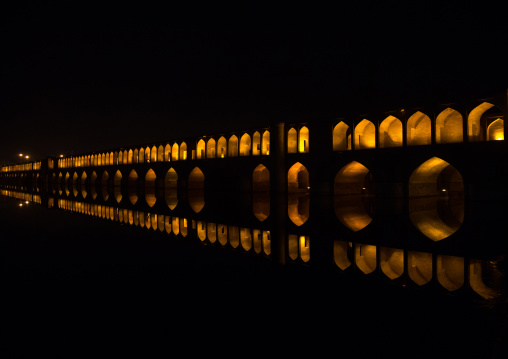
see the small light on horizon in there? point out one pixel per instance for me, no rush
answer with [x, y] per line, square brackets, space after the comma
[20, 155]
[21, 204]
[444, 190]
[27, 156]
[61, 155]
[26, 202]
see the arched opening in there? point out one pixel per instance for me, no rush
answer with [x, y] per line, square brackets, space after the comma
[147, 154]
[342, 254]
[233, 146]
[175, 152]
[183, 151]
[167, 152]
[153, 154]
[299, 247]
[222, 147]
[261, 194]
[93, 180]
[341, 137]
[141, 155]
[449, 126]
[419, 129]
[117, 186]
[495, 131]
[210, 148]
[476, 125]
[74, 185]
[150, 178]
[450, 271]
[353, 198]
[171, 188]
[66, 183]
[104, 185]
[392, 262]
[303, 143]
[132, 187]
[130, 156]
[298, 194]
[365, 257]
[196, 186]
[419, 267]
[436, 199]
[365, 135]
[292, 140]
[160, 153]
[83, 188]
[256, 144]
[245, 145]
[266, 143]
[135, 156]
[476, 268]
[200, 149]
[390, 132]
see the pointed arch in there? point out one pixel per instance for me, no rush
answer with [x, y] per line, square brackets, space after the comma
[200, 149]
[292, 140]
[117, 186]
[245, 145]
[150, 178]
[196, 186]
[303, 140]
[265, 148]
[365, 135]
[256, 144]
[495, 131]
[160, 153]
[183, 151]
[141, 155]
[340, 139]
[167, 152]
[390, 132]
[298, 178]
[419, 129]
[170, 188]
[222, 147]
[130, 155]
[210, 148]
[135, 156]
[132, 186]
[104, 184]
[261, 178]
[233, 146]
[449, 126]
[475, 130]
[175, 152]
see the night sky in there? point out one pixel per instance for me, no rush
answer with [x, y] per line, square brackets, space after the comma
[78, 77]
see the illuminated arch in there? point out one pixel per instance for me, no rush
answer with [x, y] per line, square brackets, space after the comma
[150, 178]
[132, 186]
[233, 146]
[256, 144]
[104, 185]
[341, 254]
[419, 130]
[200, 149]
[436, 204]
[261, 196]
[170, 188]
[299, 247]
[135, 156]
[74, 187]
[210, 148]
[265, 149]
[298, 194]
[66, 183]
[183, 151]
[130, 155]
[222, 147]
[495, 131]
[196, 186]
[340, 137]
[160, 153]
[475, 130]
[390, 132]
[83, 187]
[93, 180]
[245, 145]
[117, 186]
[298, 178]
[449, 126]
[175, 152]
[147, 154]
[292, 140]
[365, 257]
[476, 280]
[167, 152]
[303, 141]
[365, 135]
[141, 155]
[391, 261]
[261, 178]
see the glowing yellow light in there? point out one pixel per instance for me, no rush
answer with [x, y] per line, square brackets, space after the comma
[222, 155]
[20, 155]
[26, 202]
[499, 139]
[21, 204]
[27, 156]
[61, 155]
[444, 190]
[267, 152]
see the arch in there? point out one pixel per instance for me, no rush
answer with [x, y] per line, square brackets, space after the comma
[449, 126]
[200, 149]
[298, 194]
[365, 135]
[135, 157]
[476, 280]
[450, 271]
[210, 148]
[299, 247]
[391, 261]
[390, 132]
[132, 186]
[261, 178]
[436, 204]
[160, 153]
[141, 155]
[419, 129]
[117, 186]
[419, 267]
[365, 257]
[66, 183]
[170, 188]
[341, 254]
[340, 139]
[298, 178]
[183, 151]
[303, 140]
[83, 187]
[475, 130]
[222, 147]
[256, 144]
[495, 131]
[148, 154]
[167, 152]
[292, 140]
[104, 185]
[265, 144]
[150, 178]
[175, 152]
[130, 155]
[353, 178]
[196, 186]
[245, 145]
[233, 146]
[74, 188]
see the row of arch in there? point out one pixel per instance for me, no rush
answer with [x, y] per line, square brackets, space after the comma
[258, 144]
[484, 123]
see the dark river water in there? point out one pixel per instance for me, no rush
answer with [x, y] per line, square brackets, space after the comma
[221, 275]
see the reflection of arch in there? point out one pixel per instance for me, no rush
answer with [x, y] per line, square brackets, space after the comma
[117, 186]
[419, 129]
[390, 132]
[450, 271]
[256, 143]
[83, 189]
[170, 188]
[104, 184]
[196, 186]
[298, 178]
[391, 261]
[299, 246]
[365, 257]
[449, 126]
[150, 178]
[292, 140]
[200, 149]
[233, 146]
[265, 148]
[261, 178]
[132, 186]
[245, 145]
[303, 142]
[476, 280]
[353, 178]
[436, 205]
[210, 148]
[365, 135]
[135, 156]
[341, 254]
[340, 137]
[222, 147]
[419, 267]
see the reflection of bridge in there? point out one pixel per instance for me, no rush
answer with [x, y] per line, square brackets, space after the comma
[439, 158]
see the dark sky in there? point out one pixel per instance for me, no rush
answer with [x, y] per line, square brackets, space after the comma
[83, 77]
